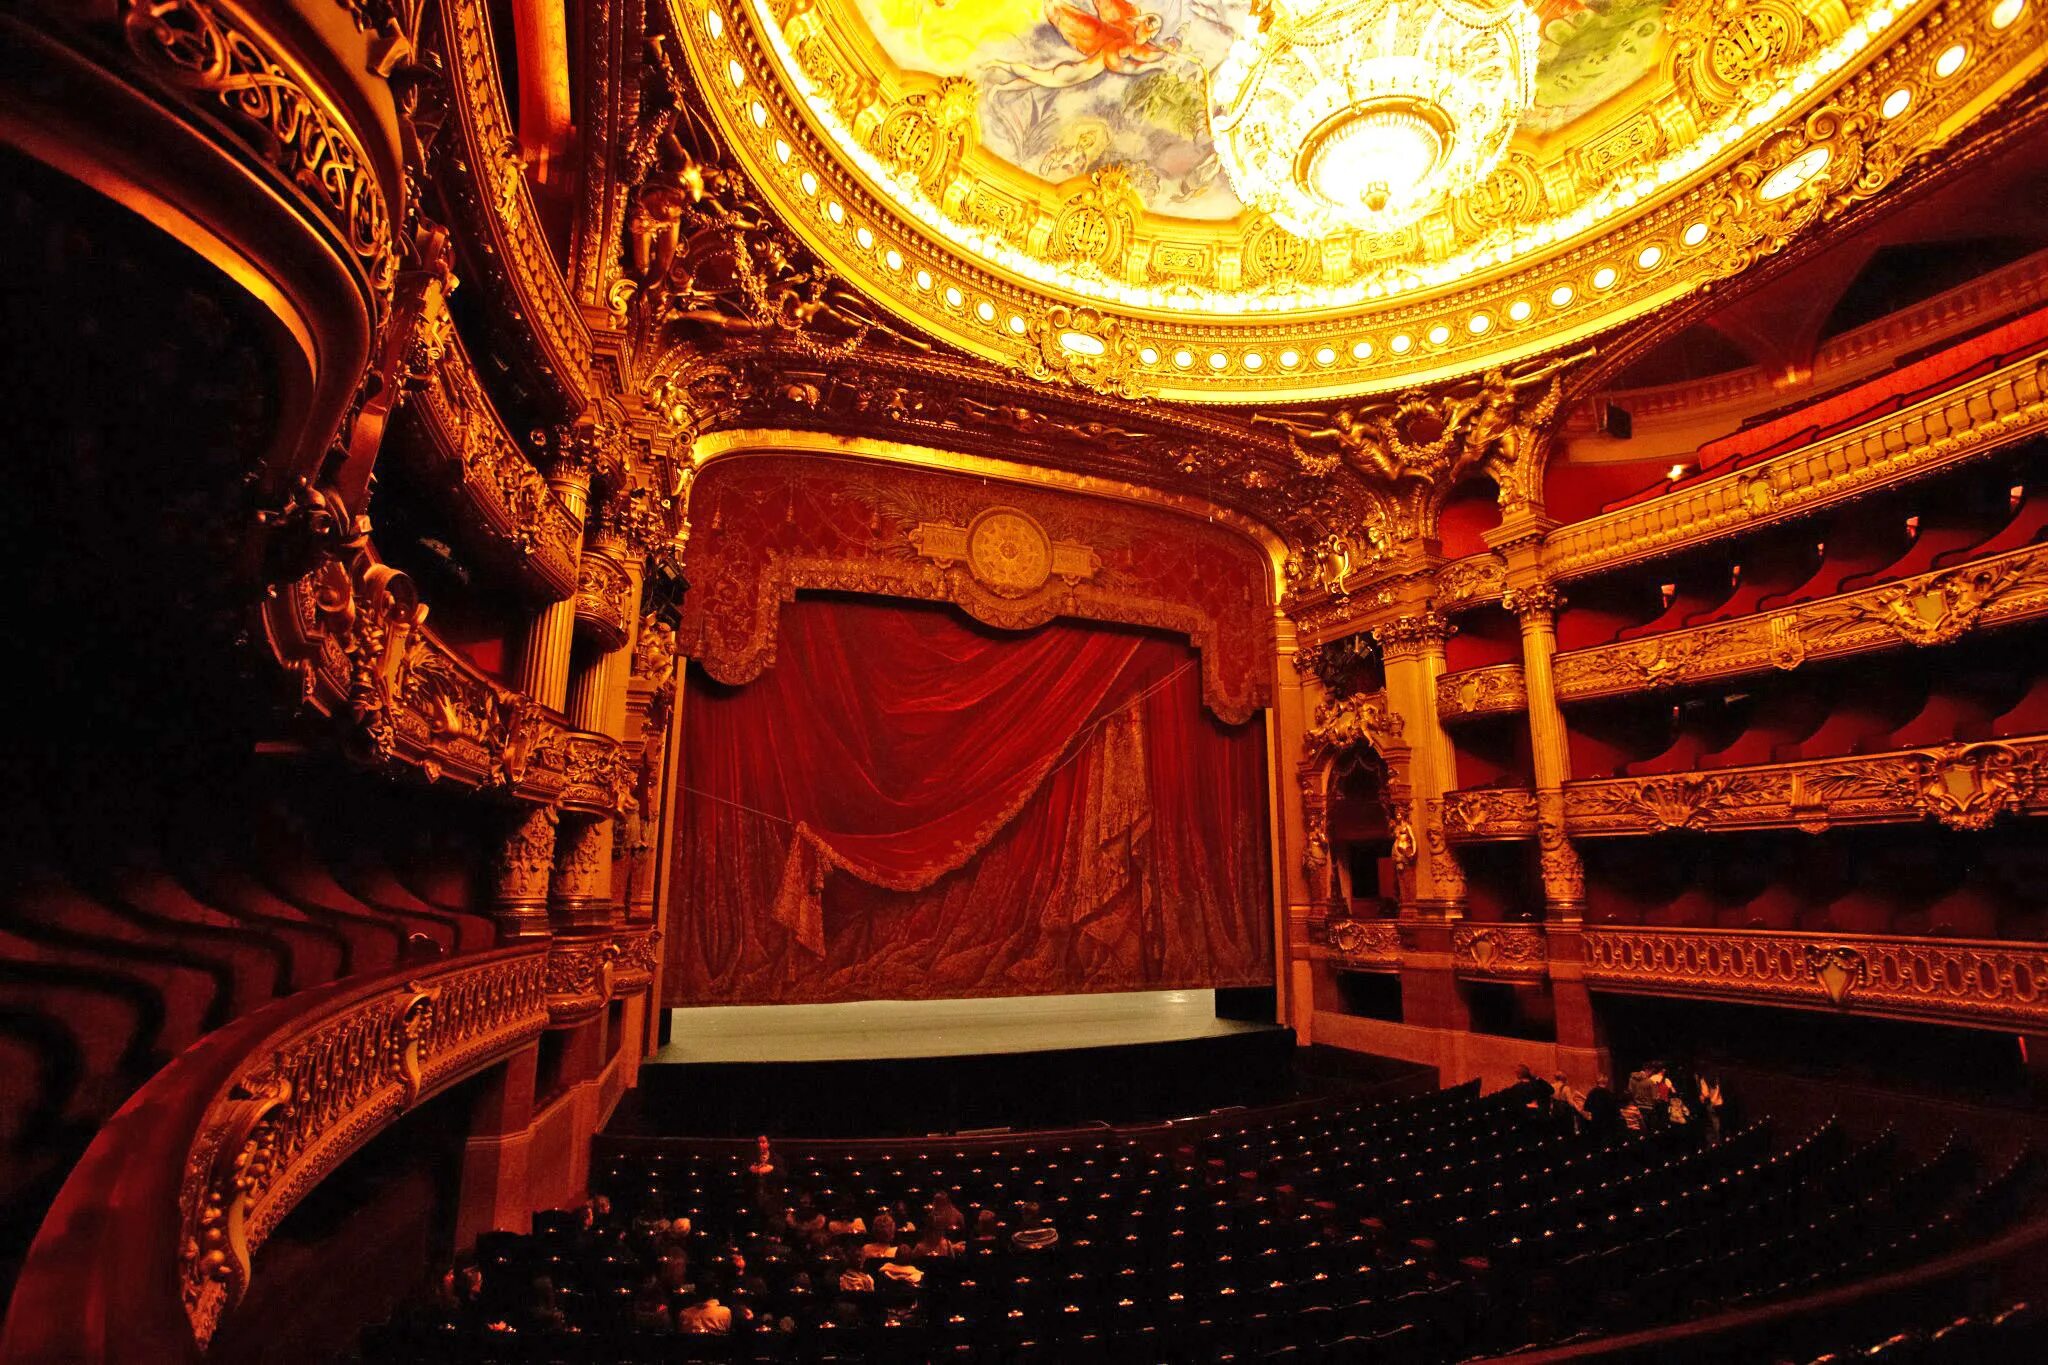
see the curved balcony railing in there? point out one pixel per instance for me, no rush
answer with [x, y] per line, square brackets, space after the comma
[501, 502]
[1966, 422]
[532, 313]
[155, 1235]
[1927, 609]
[354, 630]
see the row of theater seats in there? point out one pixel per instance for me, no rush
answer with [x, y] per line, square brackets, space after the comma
[1816, 418]
[1970, 695]
[135, 920]
[1973, 514]
[2011, 1335]
[1980, 884]
[1437, 1229]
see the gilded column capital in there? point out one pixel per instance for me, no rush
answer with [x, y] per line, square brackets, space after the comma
[1413, 633]
[1538, 601]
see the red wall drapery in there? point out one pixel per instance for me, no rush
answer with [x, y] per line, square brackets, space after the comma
[910, 806]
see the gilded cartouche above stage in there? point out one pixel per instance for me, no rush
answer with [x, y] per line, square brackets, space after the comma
[1039, 183]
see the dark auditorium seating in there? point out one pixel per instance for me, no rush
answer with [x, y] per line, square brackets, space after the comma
[1443, 1227]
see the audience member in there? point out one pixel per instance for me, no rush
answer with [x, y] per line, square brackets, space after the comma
[706, 1316]
[1568, 1103]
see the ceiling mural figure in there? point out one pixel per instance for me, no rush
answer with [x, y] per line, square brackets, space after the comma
[1588, 52]
[1070, 87]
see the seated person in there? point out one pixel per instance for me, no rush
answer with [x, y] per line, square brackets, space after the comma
[706, 1316]
[1035, 1231]
[902, 1273]
[932, 1244]
[650, 1308]
[844, 1222]
[944, 1216]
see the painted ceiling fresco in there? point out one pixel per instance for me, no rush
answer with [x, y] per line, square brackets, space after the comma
[1067, 87]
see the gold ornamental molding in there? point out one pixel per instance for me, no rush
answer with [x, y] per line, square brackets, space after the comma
[501, 499]
[1371, 945]
[1773, 122]
[235, 73]
[740, 441]
[317, 1087]
[1967, 422]
[1975, 983]
[1007, 552]
[1477, 814]
[1921, 612]
[1471, 582]
[579, 978]
[354, 632]
[636, 953]
[483, 178]
[1481, 692]
[990, 566]
[1963, 786]
[604, 592]
[1500, 952]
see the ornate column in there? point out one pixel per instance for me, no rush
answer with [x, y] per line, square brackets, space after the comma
[1296, 694]
[1412, 646]
[526, 860]
[1432, 884]
[544, 655]
[1564, 879]
[1534, 601]
[606, 608]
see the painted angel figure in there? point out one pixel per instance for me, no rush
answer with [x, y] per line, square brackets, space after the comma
[1116, 38]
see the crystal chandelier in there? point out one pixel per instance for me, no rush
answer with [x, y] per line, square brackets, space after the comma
[1335, 115]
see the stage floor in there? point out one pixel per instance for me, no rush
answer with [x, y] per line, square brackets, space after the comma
[868, 1029]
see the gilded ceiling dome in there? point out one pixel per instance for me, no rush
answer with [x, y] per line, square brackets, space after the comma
[1250, 200]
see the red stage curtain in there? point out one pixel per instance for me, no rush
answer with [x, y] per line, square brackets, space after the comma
[911, 806]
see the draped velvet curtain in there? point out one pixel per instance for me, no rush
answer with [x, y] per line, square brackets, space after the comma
[911, 806]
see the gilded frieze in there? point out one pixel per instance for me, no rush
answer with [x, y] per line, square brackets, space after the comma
[354, 632]
[1974, 983]
[1481, 692]
[1963, 786]
[604, 594]
[1925, 610]
[636, 953]
[1471, 581]
[1361, 944]
[579, 976]
[1478, 813]
[238, 79]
